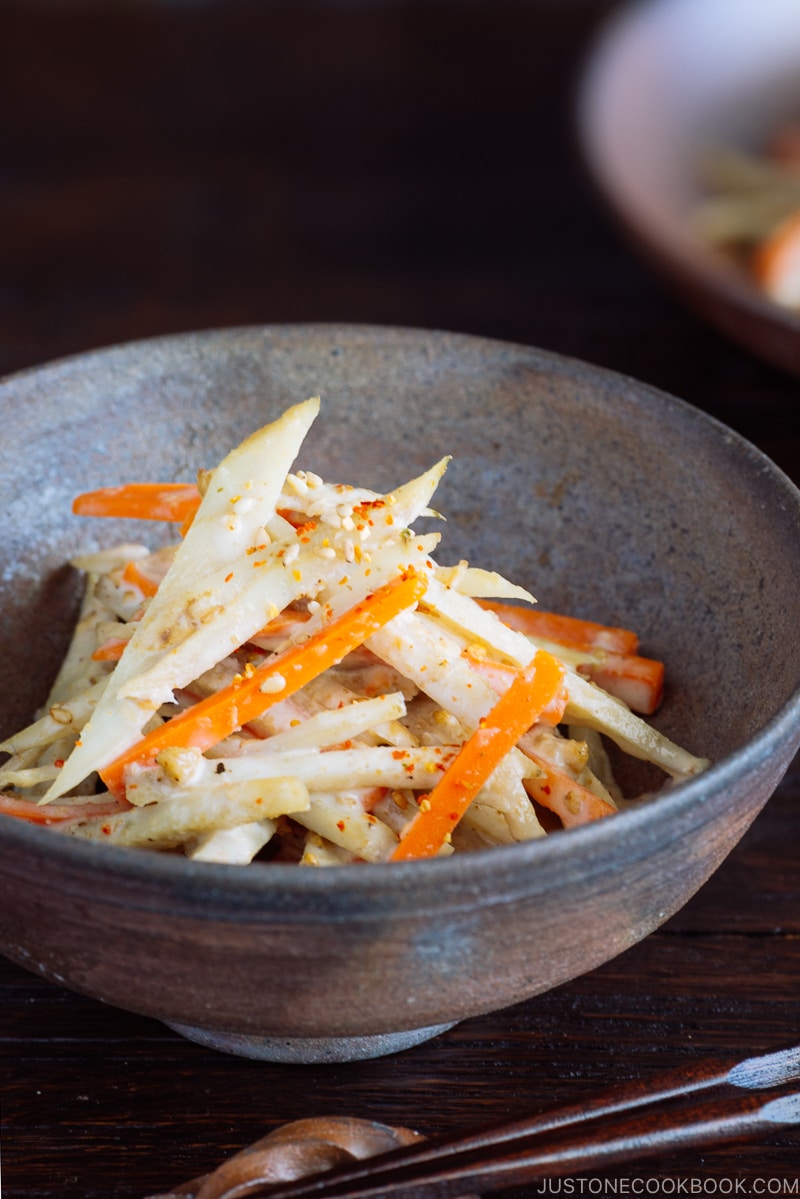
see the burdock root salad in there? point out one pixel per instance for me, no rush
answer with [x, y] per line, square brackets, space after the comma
[297, 679]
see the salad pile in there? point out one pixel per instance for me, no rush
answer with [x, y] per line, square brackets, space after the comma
[297, 679]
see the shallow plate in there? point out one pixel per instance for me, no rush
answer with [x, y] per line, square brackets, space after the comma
[666, 80]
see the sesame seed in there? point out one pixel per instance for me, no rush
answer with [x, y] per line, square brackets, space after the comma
[297, 483]
[272, 684]
[61, 715]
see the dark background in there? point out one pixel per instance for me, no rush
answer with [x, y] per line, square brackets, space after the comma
[166, 167]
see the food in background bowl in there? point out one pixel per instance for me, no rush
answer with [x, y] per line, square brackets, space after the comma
[752, 211]
[299, 678]
[618, 503]
[665, 81]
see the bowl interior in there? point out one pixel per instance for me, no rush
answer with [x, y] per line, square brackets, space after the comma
[603, 496]
[667, 80]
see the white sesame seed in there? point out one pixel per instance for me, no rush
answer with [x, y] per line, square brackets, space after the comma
[325, 551]
[292, 553]
[273, 684]
[297, 483]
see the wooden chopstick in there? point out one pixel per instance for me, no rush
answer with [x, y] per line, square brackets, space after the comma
[626, 1139]
[634, 1120]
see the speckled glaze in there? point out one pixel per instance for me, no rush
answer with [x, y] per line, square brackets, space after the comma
[607, 498]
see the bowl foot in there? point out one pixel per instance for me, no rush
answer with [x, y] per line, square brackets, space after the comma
[309, 1050]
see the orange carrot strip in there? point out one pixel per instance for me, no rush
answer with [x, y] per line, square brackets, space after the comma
[26, 809]
[500, 676]
[776, 262]
[131, 574]
[111, 650]
[567, 630]
[535, 688]
[140, 501]
[639, 682]
[219, 715]
[572, 802]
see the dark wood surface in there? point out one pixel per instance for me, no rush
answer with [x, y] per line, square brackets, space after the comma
[172, 167]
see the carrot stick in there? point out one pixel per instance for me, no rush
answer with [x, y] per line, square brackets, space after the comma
[111, 650]
[27, 809]
[638, 682]
[572, 802]
[566, 630]
[131, 574]
[533, 690]
[140, 501]
[219, 715]
[776, 262]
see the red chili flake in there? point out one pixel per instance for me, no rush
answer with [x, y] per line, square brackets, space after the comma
[399, 754]
[340, 825]
[228, 577]
[546, 788]
[107, 829]
[59, 762]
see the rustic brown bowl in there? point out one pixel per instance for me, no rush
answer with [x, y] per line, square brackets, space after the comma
[608, 498]
[666, 81]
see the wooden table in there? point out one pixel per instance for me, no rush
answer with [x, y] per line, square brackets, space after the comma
[184, 166]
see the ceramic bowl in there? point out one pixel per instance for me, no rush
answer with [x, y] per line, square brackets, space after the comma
[607, 498]
[666, 81]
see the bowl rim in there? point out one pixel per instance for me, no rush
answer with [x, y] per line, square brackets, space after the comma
[171, 875]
